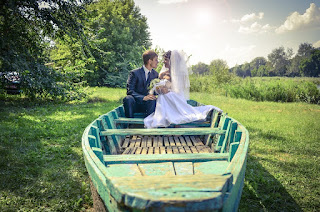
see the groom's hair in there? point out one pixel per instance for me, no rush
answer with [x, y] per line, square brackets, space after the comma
[149, 54]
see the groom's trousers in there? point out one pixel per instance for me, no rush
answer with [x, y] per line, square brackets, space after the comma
[132, 106]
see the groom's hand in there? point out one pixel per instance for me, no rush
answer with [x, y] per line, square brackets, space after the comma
[149, 97]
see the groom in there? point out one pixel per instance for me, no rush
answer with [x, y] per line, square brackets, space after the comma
[138, 99]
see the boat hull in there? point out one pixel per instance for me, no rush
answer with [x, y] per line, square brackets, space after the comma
[197, 167]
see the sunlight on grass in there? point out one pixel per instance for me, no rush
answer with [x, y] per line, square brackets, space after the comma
[43, 167]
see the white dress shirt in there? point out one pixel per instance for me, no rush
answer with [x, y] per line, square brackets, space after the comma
[146, 71]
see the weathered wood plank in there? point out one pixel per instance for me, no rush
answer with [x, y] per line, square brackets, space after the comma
[196, 141]
[166, 141]
[144, 150]
[227, 135]
[123, 170]
[162, 150]
[138, 151]
[181, 150]
[132, 143]
[193, 149]
[187, 149]
[199, 142]
[169, 150]
[233, 149]
[179, 192]
[183, 168]
[182, 141]
[127, 151]
[123, 120]
[157, 169]
[150, 150]
[160, 140]
[149, 141]
[144, 141]
[188, 141]
[156, 150]
[138, 142]
[175, 150]
[167, 131]
[177, 141]
[200, 157]
[201, 149]
[126, 142]
[211, 167]
[171, 141]
[154, 141]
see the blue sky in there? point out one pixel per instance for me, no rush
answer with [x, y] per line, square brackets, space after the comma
[236, 31]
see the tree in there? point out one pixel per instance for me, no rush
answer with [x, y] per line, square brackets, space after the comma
[310, 66]
[257, 62]
[26, 28]
[305, 49]
[200, 68]
[293, 70]
[117, 36]
[220, 70]
[279, 60]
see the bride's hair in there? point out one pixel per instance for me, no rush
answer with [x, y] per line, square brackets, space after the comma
[167, 54]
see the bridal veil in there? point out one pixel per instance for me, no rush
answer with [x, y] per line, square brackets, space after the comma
[179, 73]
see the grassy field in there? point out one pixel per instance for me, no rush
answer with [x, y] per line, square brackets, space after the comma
[42, 168]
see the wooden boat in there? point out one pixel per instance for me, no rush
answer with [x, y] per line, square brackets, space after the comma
[198, 166]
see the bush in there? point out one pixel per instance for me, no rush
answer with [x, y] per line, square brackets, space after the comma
[276, 90]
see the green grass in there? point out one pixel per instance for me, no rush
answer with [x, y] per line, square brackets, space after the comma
[42, 167]
[283, 169]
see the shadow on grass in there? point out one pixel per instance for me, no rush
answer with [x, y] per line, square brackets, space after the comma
[262, 190]
[41, 156]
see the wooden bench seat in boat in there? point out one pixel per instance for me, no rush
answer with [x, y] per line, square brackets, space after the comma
[139, 121]
[166, 131]
[160, 193]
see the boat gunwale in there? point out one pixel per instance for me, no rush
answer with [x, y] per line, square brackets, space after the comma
[100, 168]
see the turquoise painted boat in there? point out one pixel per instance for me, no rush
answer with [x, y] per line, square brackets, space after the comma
[199, 166]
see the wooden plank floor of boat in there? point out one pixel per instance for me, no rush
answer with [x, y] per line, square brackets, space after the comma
[164, 145]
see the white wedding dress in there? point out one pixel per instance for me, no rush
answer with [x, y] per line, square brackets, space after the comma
[172, 107]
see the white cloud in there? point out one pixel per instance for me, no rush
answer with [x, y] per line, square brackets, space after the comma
[252, 17]
[171, 1]
[255, 28]
[316, 44]
[295, 21]
[249, 18]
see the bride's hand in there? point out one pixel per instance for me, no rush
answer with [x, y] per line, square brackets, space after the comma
[164, 90]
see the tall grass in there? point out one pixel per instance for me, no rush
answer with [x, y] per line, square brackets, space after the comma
[262, 89]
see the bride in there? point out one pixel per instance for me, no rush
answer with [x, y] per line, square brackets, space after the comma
[173, 89]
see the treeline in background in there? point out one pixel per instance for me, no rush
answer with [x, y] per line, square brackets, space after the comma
[282, 77]
[54, 49]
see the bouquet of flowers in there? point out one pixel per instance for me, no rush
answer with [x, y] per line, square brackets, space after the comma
[158, 86]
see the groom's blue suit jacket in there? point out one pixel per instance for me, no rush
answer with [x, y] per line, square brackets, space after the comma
[137, 86]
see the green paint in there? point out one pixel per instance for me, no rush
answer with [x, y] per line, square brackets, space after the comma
[167, 182]
[166, 131]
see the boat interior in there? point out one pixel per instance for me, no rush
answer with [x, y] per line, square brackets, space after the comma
[115, 134]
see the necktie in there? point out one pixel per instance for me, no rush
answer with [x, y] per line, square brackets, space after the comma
[148, 76]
